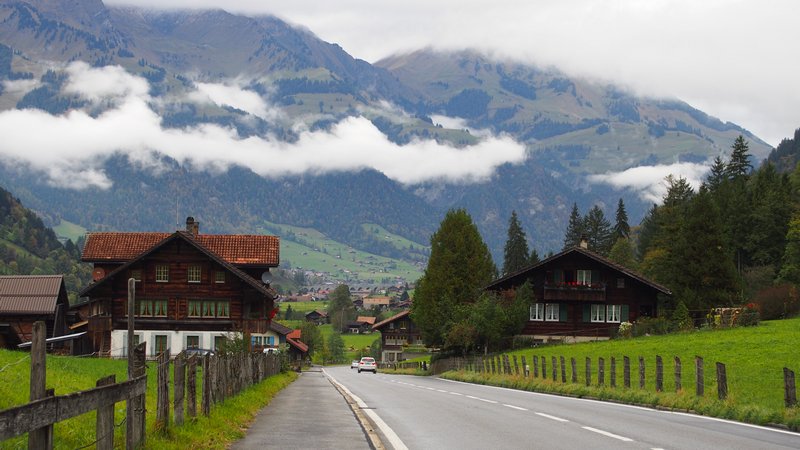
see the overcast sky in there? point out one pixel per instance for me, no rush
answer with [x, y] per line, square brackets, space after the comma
[736, 60]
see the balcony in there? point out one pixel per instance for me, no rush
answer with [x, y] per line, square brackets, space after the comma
[575, 292]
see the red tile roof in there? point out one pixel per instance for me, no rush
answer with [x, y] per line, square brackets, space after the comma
[30, 294]
[297, 344]
[237, 249]
[295, 334]
[366, 319]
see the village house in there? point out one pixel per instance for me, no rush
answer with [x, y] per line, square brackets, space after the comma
[316, 316]
[25, 299]
[397, 332]
[362, 325]
[581, 295]
[381, 302]
[192, 290]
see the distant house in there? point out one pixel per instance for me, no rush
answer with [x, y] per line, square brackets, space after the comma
[380, 302]
[362, 325]
[298, 350]
[192, 290]
[25, 299]
[581, 295]
[318, 317]
[397, 332]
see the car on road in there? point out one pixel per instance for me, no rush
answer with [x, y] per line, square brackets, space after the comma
[354, 364]
[368, 364]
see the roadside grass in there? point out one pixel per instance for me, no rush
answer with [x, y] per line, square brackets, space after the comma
[754, 358]
[70, 374]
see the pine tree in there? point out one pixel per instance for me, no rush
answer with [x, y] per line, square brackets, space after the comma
[621, 227]
[790, 264]
[769, 194]
[575, 231]
[460, 265]
[622, 253]
[534, 258]
[716, 175]
[515, 253]
[598, 231]
[341, 309]
[739, 164]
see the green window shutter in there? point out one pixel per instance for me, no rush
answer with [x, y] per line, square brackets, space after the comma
[595, 276]
[562, 312]
[623, 317]
[587, 311]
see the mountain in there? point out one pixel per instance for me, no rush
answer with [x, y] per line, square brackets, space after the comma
[570, 127]
[786, 155]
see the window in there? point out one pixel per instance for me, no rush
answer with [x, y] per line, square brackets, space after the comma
[161, 343]
[257, 341]
[219, 277]
[269, 340]
[620, 283]
[551, 312]
[537, 311]
[151, 308]
[192, 341]
[195, 308]
[584, 277]
[162, 273]
[219, 341]
[209, 308]
[136, 274]
[614, 313]
[598, 313]
[194, 273]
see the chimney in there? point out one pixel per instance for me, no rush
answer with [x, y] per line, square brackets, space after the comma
[584, 243]
[192, 226]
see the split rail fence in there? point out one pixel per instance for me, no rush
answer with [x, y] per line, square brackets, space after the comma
[556, 369]
[224, 377]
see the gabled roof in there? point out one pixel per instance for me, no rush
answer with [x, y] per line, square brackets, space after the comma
[295, 334]
[397, 316]
[297, 344]
[383, 301]
[318, 312]
[521, 274]
[187, 237]
[279, 328]
[237, 249]
[366, 319]
[31, 294]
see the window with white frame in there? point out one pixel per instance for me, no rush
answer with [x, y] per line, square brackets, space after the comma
[614, 313]
[598, 313]
[584, 277]
[551, 312]
[194, 273]
[219, 277]
[192, 341]
[537, 311]
[162, 273]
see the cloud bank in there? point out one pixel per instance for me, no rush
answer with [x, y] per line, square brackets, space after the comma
[72, 151]
[648, 181]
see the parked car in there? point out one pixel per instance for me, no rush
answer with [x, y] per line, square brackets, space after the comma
[199, 352]
[367, 363]
[354, 364]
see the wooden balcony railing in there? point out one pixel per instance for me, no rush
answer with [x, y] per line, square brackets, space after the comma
[566, 292]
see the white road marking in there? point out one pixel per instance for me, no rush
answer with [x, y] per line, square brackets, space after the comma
[441, 390]
[548, 416]
[606, 433]
[456, 393]
[515, 407]
[481, 399]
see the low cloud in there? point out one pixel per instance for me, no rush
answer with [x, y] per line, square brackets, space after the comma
[649, 181]
[234, 96]
[71, 149]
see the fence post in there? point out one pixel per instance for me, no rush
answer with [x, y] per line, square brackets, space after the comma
[588, 371]
[179, 378]
[525, 369]
[574, 370]
[641, 372]
[39, 438]
[678, 386]
[789, 392]
[205, 406]
[535, 366]
[722, 381]
[104, 424]
[612, 375]
[162, 401]
[555, 368]
[698, 364]
[601, 371]
[563, 369]
[493, 368]
[191, 386]
[626, 371]
[659, 374]
[543, 359]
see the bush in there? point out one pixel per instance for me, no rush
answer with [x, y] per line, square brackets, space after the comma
[651, 325]
[777, 302]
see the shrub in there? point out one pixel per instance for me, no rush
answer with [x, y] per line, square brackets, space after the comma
[625, 330]
[651, 325]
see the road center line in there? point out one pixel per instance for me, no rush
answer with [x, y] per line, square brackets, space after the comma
[548, 416]
[456, 393]
[515, 407]
[440, 390]
[606, 433]
[481, 399]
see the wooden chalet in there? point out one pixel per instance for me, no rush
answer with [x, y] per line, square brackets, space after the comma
[25, 299]
[318, 317]
[192, 290]
[397, 332]
[581, 295]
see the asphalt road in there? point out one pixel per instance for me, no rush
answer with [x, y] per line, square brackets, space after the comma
[430, 413]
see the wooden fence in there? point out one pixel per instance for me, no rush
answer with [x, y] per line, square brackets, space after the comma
[536, 367]
[224, 377]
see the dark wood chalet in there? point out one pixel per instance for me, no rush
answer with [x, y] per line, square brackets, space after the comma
[581, 295]
[192, 290]
[397, 332]
[25, 299]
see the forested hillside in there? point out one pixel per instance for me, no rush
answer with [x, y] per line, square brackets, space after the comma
[786, 155]
[27, 247]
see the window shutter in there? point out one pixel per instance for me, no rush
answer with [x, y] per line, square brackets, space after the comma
[623, 317]
[562, 312]
[587, 311]
[595, 276]
[558, 276]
